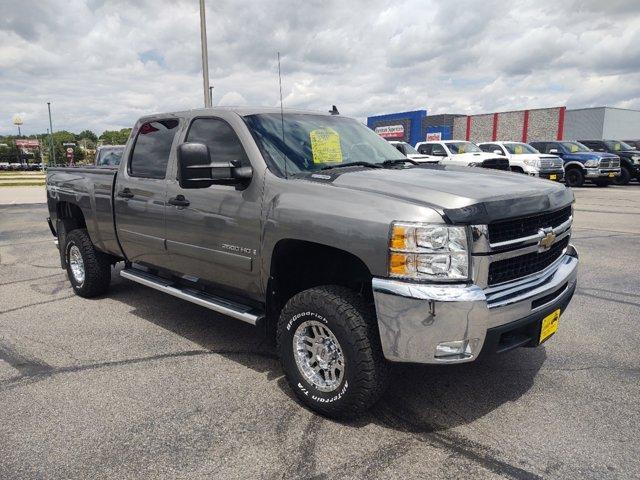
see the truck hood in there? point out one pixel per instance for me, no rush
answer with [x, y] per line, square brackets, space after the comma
[475, 156]
[462, 194]
[584, 156]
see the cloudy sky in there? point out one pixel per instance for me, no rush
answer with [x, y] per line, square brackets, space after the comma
[103, 63]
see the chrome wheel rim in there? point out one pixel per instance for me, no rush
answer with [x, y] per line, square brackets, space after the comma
[76, 263]
[318, 355]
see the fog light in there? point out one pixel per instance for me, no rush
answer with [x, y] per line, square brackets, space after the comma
[459, 347]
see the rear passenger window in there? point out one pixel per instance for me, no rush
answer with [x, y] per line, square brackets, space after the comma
[425, 149]
[151, 150]
[224, 145]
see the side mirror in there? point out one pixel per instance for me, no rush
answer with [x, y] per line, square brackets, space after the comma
[554, 150]
[197, 171]
[498, 152]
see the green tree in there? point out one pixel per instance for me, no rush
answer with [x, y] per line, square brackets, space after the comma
[88, 134]
[115, 137]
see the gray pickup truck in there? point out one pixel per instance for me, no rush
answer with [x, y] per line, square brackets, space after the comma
[311, 226]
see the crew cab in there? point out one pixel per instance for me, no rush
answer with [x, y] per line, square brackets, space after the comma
[350, 255]
[525, 159]
[629, 157]
[412, 153]
[580, 163]
[462, 153]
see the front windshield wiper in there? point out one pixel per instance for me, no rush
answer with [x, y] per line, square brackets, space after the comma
[388, 163]
[352, 164]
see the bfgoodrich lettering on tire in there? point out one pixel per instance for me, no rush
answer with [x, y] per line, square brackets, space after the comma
[330, 351]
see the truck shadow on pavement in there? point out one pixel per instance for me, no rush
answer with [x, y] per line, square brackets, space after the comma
[420, 398]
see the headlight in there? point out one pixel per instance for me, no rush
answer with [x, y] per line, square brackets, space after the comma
[532, 162]
[592, 163]
[428, 252]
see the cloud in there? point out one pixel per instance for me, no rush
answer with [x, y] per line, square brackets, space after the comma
[103, 63]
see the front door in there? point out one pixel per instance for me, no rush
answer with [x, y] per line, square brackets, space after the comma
[140, 193]
[216, 236]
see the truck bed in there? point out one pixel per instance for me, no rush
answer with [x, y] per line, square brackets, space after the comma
[91, 189]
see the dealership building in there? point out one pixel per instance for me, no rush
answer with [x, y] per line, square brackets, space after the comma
[554, 123]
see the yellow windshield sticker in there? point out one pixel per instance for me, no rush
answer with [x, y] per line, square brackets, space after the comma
[617, 147]
[325, 146]
[518, 150]
[461, 149]
[574, 148]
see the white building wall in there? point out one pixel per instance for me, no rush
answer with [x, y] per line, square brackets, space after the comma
[584, 124]
[621, 124]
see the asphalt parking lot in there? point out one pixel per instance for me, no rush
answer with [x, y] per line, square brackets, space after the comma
[141, 385]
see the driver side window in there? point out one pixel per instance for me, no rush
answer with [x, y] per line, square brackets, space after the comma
[224, 145]
[438, 150]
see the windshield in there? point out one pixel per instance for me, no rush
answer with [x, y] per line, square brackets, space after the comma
[618, 146]
[519, 148]
[110, 156]
[312, 142]
[575, 147]
[409, 149]
[462, 147]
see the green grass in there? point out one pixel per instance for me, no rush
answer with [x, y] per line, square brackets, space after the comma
[33, 183]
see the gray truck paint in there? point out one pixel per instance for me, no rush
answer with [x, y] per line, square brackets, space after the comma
[228, 235]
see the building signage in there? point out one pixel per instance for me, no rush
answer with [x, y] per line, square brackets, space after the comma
[390, 131]
[434, 136]
[27, 143]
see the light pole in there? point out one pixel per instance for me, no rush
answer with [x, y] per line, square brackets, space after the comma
[53, 150]
[205, 56]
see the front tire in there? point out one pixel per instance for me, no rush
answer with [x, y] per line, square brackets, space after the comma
[89, 270]
[623, 178]
[574, 177]
[330, 351]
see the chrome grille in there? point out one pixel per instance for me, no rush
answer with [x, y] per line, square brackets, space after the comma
[527, 264]
[551, 163]
[610, 163]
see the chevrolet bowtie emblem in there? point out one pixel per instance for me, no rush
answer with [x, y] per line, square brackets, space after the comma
[547, 240]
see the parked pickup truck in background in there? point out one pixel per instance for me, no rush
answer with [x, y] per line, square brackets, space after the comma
[581, 164]
[412, 153]
[524, 158]
[109, 155]
[629, 157]
[314, 228]
[459, 152]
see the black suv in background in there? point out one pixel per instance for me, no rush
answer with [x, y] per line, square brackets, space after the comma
[629, 157]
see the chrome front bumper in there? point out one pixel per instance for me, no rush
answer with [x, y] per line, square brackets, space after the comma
[601, 172]
[414, 319]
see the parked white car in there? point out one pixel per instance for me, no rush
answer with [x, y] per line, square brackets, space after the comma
[523, 158]
[463, 153]
[412, 153]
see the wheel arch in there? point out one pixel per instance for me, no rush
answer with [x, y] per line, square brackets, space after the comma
[298, 265]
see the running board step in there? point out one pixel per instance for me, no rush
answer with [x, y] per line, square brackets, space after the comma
[212, 302]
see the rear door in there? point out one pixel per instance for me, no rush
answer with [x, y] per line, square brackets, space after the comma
[140, 193]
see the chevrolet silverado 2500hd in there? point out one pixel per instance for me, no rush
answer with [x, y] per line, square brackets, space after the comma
[315, 228]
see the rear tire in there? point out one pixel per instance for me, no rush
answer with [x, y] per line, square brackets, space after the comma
[574, 177]
[330, 351]
[89, 270]
[623, 178]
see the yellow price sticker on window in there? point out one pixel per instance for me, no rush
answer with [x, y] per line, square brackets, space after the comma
[325, 146]
[617, 147]
[574, 148]
[518, 150]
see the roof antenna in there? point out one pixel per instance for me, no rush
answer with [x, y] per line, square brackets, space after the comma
[282, 116]
[334, 110]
